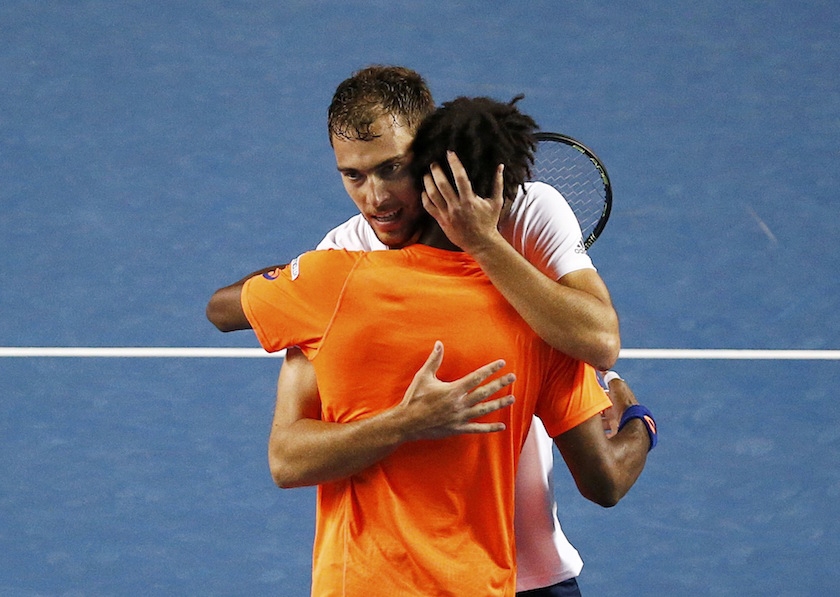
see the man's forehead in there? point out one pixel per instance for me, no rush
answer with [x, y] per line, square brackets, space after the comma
[386, 125]
[390, 141]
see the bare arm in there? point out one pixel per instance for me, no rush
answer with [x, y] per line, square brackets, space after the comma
[224, 309]
[574, 315]
[604, 469]
[303, 450]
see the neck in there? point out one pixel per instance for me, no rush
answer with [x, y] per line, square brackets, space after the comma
[433, 236]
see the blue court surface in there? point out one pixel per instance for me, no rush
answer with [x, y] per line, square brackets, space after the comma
[151, 152]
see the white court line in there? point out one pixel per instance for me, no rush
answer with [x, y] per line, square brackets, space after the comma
[135, 352]
[730, 354]
[248, 353]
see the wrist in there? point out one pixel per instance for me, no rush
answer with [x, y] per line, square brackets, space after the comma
[395, 426]
[638, 411]
[488, 248]
[611, 375]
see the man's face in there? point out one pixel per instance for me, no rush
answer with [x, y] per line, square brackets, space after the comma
[377, 177]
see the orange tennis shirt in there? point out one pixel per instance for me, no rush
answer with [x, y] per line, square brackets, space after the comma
[435, 517]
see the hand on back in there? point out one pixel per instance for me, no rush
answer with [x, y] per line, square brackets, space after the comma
[434, 409]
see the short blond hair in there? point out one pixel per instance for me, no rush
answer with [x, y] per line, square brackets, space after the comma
[377, 91]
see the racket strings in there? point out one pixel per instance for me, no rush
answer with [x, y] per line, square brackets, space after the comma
[574, 175]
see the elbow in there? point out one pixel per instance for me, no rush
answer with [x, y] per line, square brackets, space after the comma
[217, 314]
[606, 499]
[215, 320]
[599, 347]
[606, 489]
[287, 469]
[283, 481]
[610, 349]
[606, 495]
[607, 346]
[603, 354]
[283, 475]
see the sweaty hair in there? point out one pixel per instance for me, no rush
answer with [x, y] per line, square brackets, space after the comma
[376, 91]
[483, 133]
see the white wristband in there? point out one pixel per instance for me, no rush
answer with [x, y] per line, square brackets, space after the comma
[609, 376]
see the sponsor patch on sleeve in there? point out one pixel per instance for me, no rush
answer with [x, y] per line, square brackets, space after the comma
[275, 273]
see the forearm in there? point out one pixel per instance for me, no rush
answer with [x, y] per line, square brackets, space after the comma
[628, 455]
[303, 450]
[310, 451]
[604, 469]
[582, 324]
[576, 319]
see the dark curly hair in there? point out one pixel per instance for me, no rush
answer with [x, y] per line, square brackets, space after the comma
[377, 91]
[483, 133]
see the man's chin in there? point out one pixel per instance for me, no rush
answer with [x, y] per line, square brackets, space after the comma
[394, 241]
[398, 239]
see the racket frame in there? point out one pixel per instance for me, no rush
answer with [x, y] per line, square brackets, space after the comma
[602, 171]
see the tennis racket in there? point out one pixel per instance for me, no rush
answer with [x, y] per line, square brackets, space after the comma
[577, 173]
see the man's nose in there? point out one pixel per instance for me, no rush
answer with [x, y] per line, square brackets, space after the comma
[377, 191]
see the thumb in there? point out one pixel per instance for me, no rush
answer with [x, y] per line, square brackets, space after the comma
[427, 374]
[432, 363]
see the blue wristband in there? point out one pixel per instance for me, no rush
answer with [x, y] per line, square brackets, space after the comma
[637, 411]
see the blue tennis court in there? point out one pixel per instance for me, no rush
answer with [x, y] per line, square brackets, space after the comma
[152, 152]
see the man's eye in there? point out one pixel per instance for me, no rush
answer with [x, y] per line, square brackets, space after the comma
[391, 169]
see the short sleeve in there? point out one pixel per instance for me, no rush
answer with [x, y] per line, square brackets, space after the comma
[293, 305]
[572, 395]
[543, 228]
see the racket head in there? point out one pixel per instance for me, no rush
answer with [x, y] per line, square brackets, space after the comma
[579, 175]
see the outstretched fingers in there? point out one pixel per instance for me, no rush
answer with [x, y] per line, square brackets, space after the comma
[483, 392]
[433, 409]
[482, 409]
[476, 401]
[472, 380]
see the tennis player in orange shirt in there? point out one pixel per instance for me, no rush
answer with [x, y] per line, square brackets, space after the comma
[443, 509]
[372, 121]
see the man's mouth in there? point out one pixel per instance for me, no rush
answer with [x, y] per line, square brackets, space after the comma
[386, 217]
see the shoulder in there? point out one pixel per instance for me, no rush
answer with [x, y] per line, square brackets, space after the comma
[311, 269]
[541, 204]
[321, 263]
[543, 228]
